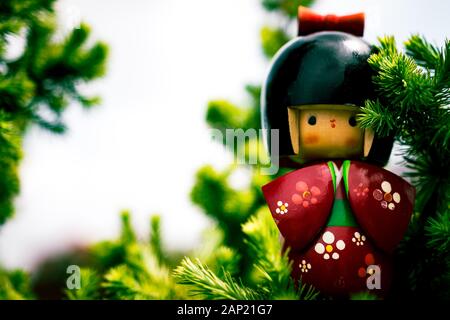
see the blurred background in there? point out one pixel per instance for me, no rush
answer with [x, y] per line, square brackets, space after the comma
[141, 147]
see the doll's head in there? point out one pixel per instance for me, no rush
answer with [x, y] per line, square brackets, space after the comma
[314, 90]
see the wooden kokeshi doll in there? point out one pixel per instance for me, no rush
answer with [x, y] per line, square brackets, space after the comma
[340, 213]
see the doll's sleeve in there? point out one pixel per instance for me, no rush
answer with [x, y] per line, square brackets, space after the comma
[382, 203]
[300, 203]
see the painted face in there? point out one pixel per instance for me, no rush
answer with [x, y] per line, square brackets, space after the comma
[325, 132]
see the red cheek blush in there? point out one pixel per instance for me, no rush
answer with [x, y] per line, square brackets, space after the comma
[352, 143]
[311, 139]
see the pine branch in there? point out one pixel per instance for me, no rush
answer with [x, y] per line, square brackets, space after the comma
[10, 155]
[374, 115]
[220, 258]
[155, 239]
[443, 74]
[226, 258]
[286, 7]
[272, 264]
[54, 69]
[140, 277]
[262, 237]
[425, 54]
[222, 115]
[214, 195]
[438, 233]
[131, 283]
[413, 99]
[37, 86]
[410, 105]
[206, 284]
[119, 284]
[56, 126]
[400, 81]
[90, 286]
[364, 296]
[15, 285]
[128, 236]
[306, 292]
[272, 39]
[425, 176]
[131, 268]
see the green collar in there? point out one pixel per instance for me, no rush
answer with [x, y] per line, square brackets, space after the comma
[341, 213]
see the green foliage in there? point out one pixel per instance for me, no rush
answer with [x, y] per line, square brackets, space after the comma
[45, 76]
[42, 79]
[262, 238]
[155, 239]
[128, 269]
[208, 285]
[14, 285]
[424, 54]
[89, 289]
[286, 7]
[413, 106]
[125, 268]
[222, 114]
[217, 256]
[438, 233]
[10, 155]
[413, 98]
[272, 39]
[272, 266]
[229, 208]
[224, 258]
[225, 204]
[127, 236]
[140, 273]
[131, 283]
[375, 116]
[364, 296]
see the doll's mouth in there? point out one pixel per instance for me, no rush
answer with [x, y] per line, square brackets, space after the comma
[333, 123]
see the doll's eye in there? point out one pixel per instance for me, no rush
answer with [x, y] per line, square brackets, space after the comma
[352, 121]
[312, 120]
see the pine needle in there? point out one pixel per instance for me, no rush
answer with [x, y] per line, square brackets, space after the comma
[206, 284]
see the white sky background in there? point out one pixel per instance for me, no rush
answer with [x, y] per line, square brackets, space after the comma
[140, 149]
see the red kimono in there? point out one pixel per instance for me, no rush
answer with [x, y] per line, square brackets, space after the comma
[338, 219]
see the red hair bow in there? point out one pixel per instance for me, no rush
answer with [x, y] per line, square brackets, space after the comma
[310, 22]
